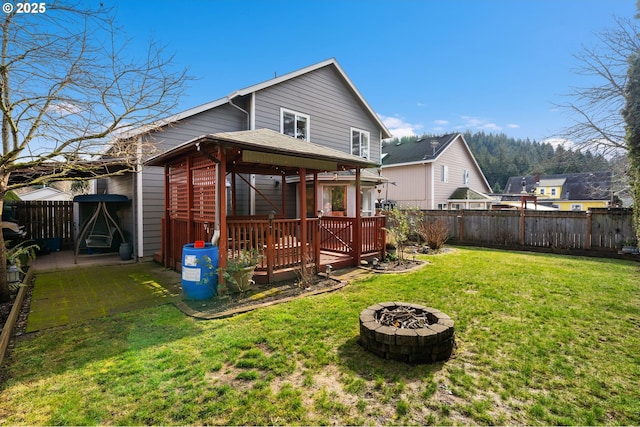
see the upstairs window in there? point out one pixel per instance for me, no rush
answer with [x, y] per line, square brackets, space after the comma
[359, 143]
[444, 171]
[465, 177]
[294, 124]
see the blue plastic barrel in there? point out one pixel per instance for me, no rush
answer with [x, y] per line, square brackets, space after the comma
[199, 276]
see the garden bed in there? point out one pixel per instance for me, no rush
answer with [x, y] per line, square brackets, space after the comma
[14, 313]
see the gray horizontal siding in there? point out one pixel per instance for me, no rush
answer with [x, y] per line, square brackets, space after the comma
[332, 107]
[221, 119]
[153, 202]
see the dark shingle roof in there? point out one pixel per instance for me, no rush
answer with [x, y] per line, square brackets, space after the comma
[577, 186]
[423, 149]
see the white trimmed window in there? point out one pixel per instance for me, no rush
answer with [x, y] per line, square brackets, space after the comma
[554, 191]
[294, 124]
[444, 177]
[465, 177]
[360, 143]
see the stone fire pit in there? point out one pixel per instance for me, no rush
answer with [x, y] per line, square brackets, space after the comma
[406, 332]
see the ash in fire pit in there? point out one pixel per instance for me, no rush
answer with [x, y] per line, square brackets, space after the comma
[403, 317]
[406, 332]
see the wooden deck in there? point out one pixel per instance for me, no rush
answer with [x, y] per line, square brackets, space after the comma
[327, 241]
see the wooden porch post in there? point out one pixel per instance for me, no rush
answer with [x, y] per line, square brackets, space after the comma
[190, 225]
[222, 214]
[166, 237]
[302, 195]
[234, 212]
[283, 191]
[357, 232]
[316, 231]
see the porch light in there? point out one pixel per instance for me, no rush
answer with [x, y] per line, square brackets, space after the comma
[13, 274]
[320, 212]
[328, 269]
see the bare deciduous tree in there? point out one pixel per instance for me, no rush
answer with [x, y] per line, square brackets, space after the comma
[69, 88]
[599, 124]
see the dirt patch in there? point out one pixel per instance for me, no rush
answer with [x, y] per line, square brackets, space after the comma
[257, 296]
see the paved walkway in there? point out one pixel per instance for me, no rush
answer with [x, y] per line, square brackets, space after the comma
[63, 260]
[72, 289]
[75, 295]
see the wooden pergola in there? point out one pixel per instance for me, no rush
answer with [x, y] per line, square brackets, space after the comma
[196, 177]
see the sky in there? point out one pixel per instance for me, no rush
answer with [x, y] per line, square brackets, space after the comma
[424, 66]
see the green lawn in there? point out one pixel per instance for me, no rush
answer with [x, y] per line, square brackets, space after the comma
[541, 340]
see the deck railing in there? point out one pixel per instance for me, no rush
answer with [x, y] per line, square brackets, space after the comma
[279, 241]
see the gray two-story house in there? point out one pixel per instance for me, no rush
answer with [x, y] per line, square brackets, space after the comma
[318, 105]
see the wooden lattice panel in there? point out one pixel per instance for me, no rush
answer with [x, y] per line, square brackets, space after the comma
[178, 190]
[204, 193]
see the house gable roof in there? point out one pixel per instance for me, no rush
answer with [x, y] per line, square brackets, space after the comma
[577, 186]
[264, 85]
[423, 150]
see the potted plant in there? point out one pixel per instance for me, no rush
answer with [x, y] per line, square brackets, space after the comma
[238, 273]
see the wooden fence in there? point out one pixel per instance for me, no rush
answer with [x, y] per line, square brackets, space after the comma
[596, 230]
[43, 220]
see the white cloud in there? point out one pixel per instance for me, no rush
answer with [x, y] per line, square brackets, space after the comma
[479, 123]
[398, 127]
[567, 144]
[513, 126]
[64, 108]
[441, 122]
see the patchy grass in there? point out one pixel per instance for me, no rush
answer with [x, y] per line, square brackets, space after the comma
[541, 339]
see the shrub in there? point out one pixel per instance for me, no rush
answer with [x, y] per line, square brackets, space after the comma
[434, 232]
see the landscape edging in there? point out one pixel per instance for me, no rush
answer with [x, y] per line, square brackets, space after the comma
[7, 330]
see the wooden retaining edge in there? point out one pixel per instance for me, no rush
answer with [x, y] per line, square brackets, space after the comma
[7, 330]
[210, 316]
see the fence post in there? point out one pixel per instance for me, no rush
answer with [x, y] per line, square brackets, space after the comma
[522, 227]
[461, 227]
[587, 244]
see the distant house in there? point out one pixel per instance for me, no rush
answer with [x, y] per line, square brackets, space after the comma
[566, 192]
[434, 173]
[317, 104]
[45, 193]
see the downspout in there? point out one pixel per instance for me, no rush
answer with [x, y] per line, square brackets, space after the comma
[139, 208]
[237, 107]
[249, 125]
[433, 186]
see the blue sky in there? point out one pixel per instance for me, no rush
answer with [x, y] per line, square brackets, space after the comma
[424, 66]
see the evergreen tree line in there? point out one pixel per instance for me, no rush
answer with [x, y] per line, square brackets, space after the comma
[501, 157]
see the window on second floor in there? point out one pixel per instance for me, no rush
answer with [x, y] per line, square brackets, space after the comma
[542, 191]
[360, 143]
[294, 124]
[444, 177]
[465, 177]
[553, 192]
